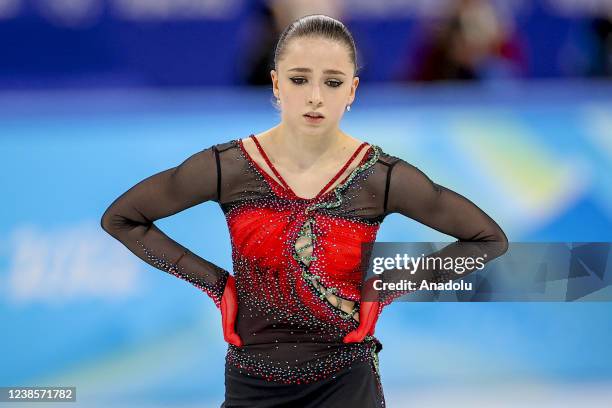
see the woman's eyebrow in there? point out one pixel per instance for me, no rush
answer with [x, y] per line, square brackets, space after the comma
[327, 71]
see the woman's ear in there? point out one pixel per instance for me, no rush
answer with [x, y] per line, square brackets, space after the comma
[274, 77]
[354, 86]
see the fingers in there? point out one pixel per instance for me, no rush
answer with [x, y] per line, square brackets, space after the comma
[371, 315]
[229, 333]
[359, 333]
[229, 311]
[368, 315]
[233, 338]
[356, 336]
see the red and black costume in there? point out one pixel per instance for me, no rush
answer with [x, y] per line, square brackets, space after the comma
[288, 254]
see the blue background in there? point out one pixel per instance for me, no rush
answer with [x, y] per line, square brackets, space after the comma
[86, 112]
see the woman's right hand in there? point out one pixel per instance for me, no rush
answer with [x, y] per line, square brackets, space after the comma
[229, 311]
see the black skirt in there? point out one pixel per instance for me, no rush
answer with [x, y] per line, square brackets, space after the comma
[357, 386]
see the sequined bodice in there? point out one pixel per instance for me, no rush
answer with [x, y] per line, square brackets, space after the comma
[290, 255]
[297, 262]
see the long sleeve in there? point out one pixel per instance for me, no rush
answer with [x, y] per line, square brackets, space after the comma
[130, 219]
[411, 193]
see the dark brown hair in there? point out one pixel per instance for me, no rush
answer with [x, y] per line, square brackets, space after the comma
[316, 25]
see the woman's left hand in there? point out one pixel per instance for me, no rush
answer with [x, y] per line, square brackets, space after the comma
[368, 315]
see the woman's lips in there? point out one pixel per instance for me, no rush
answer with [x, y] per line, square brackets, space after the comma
[313, 119]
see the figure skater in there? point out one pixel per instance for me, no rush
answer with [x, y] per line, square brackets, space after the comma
[299, 199]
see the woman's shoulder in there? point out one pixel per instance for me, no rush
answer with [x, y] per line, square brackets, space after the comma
[225, 145]
[224, 151]
[383, 156]
[217, 147]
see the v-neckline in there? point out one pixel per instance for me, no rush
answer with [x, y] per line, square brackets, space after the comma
[286, 187]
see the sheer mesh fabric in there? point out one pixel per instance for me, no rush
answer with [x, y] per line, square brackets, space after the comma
[413, 194]
[297, 262]
[130, 219]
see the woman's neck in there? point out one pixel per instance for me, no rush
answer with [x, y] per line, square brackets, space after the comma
[303, 151]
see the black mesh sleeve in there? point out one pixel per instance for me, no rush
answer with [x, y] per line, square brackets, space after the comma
[411, 193]
[130, 219]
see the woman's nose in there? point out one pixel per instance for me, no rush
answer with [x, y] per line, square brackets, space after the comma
[315, 96]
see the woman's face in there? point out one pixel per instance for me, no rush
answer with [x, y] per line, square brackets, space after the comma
[314, 75]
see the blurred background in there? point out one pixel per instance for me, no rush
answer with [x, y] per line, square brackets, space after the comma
[507, 102]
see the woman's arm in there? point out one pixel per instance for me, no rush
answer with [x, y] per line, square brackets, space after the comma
[130, 219]
[411, 193]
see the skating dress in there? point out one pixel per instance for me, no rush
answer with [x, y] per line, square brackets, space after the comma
[290, 255]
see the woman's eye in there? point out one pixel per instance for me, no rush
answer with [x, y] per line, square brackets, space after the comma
[301, 81]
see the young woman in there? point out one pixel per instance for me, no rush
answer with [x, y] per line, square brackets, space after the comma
[299, 200]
